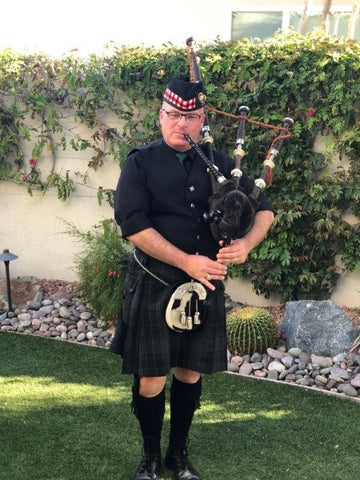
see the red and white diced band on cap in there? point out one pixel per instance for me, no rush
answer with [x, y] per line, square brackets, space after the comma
[184, 95]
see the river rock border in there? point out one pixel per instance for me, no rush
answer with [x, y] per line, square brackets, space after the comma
[69, 318]
[339, 374]
[64, 318]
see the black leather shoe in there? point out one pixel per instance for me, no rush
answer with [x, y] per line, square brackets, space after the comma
[180, 465]
[149, 467]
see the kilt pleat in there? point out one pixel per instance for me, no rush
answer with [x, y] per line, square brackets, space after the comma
[148, 346]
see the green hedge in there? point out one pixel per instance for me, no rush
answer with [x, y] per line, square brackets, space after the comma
[313, 79]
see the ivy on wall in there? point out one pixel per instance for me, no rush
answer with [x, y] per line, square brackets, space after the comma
[313, 79]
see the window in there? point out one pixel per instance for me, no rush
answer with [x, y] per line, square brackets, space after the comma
[255, 24]
[338, 23]
[264, 24]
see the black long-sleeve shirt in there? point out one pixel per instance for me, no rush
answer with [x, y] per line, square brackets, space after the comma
[155, 190]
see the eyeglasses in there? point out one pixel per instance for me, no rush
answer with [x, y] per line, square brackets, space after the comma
[189, 117]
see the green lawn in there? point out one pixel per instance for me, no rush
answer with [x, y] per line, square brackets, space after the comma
[65, 415]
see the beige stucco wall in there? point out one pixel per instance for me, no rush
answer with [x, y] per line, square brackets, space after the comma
[33, 227]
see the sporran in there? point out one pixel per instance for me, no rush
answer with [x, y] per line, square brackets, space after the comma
[185, 309]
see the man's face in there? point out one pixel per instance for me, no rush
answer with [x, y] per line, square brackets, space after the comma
[173, 129]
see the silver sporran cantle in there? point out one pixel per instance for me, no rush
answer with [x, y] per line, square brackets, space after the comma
[185, 308]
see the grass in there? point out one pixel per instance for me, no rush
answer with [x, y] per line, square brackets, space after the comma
[65, 415]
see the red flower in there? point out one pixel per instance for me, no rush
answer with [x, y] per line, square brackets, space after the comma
[32, 162]
[113, 273]
[310, 112]
[25, 178]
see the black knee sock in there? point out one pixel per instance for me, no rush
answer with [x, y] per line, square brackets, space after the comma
[150, 414]
[184, 400]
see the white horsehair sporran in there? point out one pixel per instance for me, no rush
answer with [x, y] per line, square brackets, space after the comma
[185, 308]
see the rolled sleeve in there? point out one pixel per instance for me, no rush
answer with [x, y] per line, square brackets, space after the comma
[132, 200]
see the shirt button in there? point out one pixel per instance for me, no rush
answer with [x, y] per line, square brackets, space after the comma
[192, 188]
[192, 205]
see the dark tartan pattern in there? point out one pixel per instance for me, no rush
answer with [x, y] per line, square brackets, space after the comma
[148, 346]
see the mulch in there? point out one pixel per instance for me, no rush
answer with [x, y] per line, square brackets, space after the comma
[50, 287]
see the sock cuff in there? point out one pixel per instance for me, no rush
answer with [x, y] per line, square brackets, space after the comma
[146, 404]
[186, 391]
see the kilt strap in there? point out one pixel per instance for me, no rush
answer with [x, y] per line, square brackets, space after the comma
[148, 271]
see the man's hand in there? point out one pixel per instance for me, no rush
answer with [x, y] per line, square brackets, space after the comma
[236, 252]
[204, 269]
[198, 267]
[239, 249]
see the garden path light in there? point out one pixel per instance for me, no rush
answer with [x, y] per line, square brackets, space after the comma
[7, 257]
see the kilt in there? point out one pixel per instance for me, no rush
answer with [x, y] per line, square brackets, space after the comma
[148, 346]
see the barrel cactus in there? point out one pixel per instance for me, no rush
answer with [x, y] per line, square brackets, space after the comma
[250, 330]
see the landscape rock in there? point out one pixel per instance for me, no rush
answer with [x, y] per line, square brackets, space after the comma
[344, 380]
[317, 327]
[338, 373]
[58, 317]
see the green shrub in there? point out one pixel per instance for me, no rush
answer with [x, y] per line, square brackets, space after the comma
[101, 266]
[316, 186]
[250, 330]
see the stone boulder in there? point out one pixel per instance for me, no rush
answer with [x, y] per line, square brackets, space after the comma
[23, 290]
[317, 327]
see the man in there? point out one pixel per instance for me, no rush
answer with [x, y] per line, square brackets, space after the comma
[160, 202]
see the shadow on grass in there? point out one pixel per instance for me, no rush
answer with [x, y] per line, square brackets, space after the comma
[245, 429]
[65, 361]
[261, 430]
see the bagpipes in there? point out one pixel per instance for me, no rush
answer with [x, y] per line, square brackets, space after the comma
[232, 211]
